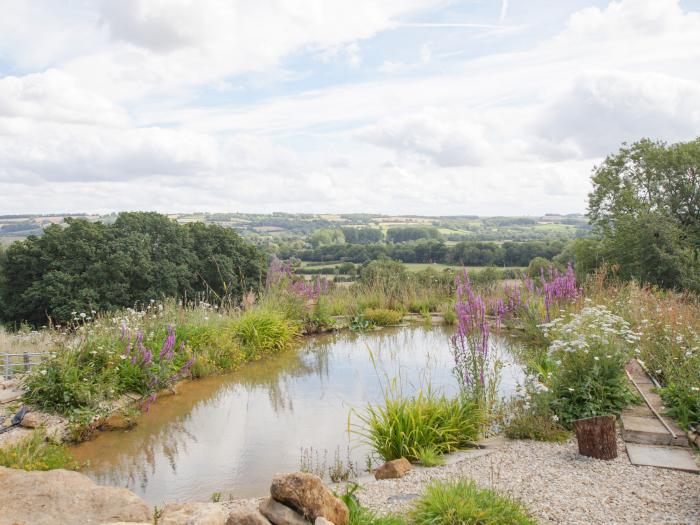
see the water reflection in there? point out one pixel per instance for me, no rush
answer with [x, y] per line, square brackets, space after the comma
[233, 433]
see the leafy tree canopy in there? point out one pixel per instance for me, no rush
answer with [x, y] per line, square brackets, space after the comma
[84, 266]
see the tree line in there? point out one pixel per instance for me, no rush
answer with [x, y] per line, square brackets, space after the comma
[84, 266]
[466, 253]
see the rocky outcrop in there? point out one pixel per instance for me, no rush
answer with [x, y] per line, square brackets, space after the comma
[307, 494]
[192, 513]
[393, 469]
[322, 521]
[61, 496]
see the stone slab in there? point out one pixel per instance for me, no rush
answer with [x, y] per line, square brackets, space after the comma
[662, 457]
[9, 395]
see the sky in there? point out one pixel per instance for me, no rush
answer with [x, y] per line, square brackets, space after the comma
[433, 107]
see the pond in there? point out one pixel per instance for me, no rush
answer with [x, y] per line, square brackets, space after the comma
[232, 433]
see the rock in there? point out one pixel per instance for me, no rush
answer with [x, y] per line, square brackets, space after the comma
[61, 496]
[246, 513]
[396, 468]
[117, 421]
[280, 514]
[322, 521]
[192, 513]
[308, 495]
[33, 420]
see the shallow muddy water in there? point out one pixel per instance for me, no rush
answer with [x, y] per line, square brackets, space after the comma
[232, 433]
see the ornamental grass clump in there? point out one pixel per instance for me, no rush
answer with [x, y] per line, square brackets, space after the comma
[463, 503]
[382, 316]
[409, 426]
[590, 350]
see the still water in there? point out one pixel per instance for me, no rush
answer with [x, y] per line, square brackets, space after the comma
[232, 433]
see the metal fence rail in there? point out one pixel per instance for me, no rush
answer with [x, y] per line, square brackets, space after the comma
[19, 363]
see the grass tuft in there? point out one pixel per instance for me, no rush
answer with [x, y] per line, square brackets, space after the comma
[407, 427]
[463, 503]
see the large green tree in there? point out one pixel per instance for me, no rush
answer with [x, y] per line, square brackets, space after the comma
[649, 177]
[645, 206]
[84, 266]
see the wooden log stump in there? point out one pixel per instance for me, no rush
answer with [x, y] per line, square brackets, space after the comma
[596, 437]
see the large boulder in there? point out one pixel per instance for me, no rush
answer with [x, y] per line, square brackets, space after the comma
[62, 496]
[192, 513]
[279, 514]
[396, 468]
[308, 495]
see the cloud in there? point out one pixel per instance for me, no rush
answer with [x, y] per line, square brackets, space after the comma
[278, 105]
[432, 135]
[601, 110]
[56, 97]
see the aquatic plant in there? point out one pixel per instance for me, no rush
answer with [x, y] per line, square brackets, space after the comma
[404, 426]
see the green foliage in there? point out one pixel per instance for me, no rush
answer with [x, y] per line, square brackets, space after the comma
[590, 351]
[532, 418]
[142, 256]
[682, 399]
[264, 332]
[36, 453]
[463, 503]
[382, 316]
[402, 427]
[537, 266]
[411, 233]
[360, 515]
[429, 457]
[645, 207]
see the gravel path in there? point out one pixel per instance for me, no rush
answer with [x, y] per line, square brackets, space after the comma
[558, 485]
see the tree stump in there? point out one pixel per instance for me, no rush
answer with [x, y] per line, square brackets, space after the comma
[596, 437]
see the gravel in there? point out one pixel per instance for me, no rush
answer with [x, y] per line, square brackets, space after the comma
[557, 485]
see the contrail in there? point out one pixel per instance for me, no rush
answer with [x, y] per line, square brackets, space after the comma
[504, 10]
[449, 24]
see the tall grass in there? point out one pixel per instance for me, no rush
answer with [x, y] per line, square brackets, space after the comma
[410, 426]
[463, 503]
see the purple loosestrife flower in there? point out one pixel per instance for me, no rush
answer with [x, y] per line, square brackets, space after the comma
[167, 350]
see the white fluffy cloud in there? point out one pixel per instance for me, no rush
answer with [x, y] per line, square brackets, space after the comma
[292, 105]
[432, 135]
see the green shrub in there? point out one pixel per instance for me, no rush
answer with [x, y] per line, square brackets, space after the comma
[449, 316]
[463, 503]
[36, 453]
[590, 352]
[534, 420]
[682, 402]
[383, 316]
[403, 427]
[360, 515]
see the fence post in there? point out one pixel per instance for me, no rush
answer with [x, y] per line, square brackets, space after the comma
[26, 361]
[7, 366]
